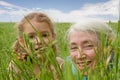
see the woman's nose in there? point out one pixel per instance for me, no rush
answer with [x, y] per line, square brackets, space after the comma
[80, 54]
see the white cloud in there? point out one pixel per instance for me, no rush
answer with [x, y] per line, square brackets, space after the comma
[2, 11]
[102, 11]
[107, 8]
[3, 3]
[8, 5]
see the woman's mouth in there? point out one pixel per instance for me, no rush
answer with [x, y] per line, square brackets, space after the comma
[84, 64]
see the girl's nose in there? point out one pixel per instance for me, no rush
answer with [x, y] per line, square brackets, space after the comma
[38, 41]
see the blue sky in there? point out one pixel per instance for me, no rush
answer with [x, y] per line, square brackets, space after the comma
[63, 5]
[60, 10]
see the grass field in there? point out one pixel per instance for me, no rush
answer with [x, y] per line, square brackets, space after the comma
[8, 33]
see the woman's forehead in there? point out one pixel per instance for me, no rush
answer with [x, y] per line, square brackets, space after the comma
[80, 35]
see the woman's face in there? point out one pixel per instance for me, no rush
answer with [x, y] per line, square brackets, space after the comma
[43, 29]
[82, 49]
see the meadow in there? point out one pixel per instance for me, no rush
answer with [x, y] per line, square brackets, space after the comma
[8, 33]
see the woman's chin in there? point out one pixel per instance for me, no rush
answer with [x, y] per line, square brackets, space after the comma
[84, 66]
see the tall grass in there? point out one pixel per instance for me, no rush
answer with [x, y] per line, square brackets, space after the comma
[8, 35]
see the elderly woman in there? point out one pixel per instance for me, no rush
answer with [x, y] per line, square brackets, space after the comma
[89, 45]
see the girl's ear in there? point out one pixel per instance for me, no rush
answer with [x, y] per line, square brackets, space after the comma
[20, 40]
[54, 37]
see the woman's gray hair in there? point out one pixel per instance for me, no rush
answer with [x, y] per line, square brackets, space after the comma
[94, 26]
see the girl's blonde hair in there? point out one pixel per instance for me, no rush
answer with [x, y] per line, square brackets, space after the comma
[38, 17]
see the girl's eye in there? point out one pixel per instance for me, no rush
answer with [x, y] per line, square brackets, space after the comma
[45, 35]
[31, 37]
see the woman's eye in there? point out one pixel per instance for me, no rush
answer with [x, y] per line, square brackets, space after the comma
[73, 48]
[89, 46]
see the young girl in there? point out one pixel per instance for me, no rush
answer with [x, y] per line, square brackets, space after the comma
[36, 41]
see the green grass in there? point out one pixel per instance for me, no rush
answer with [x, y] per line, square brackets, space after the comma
[8, 35]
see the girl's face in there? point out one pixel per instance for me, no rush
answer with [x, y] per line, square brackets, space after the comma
[82, 49]
[43, 29]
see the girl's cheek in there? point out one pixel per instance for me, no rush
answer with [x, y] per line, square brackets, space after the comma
[46, 41]
[32, 40]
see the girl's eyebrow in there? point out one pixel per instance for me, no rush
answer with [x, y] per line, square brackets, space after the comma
[32, 33]
[44, 32]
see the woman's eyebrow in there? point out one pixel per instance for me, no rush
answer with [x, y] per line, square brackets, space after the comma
[87, 41]
[73, 43]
